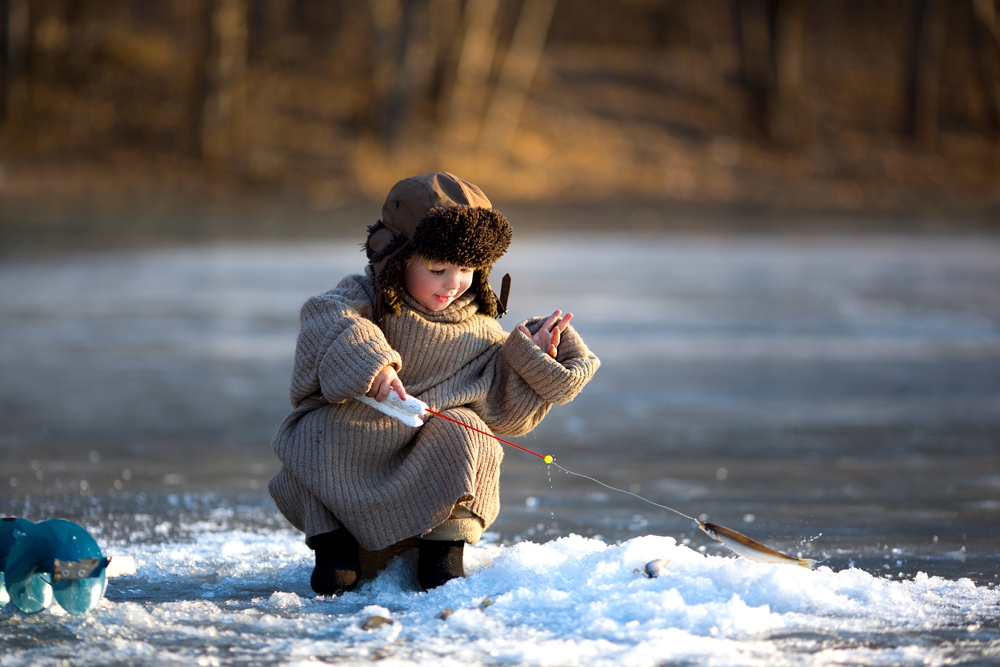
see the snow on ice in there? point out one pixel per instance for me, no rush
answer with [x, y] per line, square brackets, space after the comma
[233, 597]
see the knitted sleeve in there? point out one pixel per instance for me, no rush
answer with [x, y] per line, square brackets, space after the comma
[527, 382]
[339, 349]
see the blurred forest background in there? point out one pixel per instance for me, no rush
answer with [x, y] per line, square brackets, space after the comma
[126, 119]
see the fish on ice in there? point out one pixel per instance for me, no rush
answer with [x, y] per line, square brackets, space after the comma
[750, 549]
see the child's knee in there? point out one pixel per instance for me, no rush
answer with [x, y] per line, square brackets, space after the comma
[463, 525]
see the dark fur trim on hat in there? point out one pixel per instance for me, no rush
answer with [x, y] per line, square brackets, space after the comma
[468, 236]
[472, 237]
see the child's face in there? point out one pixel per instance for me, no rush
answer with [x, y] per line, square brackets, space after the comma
[436, 284]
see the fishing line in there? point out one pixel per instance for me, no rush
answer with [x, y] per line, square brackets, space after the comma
[545, 457]
[735, 541]
[550, 461]
[634, 495]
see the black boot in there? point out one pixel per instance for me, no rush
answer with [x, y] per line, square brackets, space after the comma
[337, 565]
[439, 562]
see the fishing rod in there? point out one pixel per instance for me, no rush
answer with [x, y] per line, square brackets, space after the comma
[410, 410]
[551, 461]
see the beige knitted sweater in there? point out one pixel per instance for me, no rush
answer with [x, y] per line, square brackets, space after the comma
[345, 463]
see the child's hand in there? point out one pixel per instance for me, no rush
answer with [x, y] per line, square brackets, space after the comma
[385, 381]
[548, 335]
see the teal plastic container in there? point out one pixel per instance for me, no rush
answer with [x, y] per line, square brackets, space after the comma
[53, 559]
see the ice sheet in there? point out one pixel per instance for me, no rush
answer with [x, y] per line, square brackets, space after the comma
[835, 395]
[233, 597]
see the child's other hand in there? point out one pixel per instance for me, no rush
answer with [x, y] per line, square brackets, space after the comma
[548, 335]
[385, 381]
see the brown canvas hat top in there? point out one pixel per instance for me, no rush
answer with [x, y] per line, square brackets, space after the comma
[443, 218]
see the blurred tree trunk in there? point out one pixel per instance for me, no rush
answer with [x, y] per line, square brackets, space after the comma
[987, 42]
[468, 95]
[275, 22]
[771, 40]
[13, 49]
[386, 58]
[225, 81]
[191, 143]
[930, 31]
[789, 117]
[411, 89]
[754, 34]
[7, 70]
[519, 67]
[445, 18]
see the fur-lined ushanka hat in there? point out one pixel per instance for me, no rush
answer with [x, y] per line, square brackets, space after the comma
[443, 219]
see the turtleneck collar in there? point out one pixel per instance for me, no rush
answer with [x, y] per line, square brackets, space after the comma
[458, 310]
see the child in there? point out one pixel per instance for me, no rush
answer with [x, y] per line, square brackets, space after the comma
[420, 322]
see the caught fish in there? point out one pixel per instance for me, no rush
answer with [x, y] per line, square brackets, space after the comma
[744, 546]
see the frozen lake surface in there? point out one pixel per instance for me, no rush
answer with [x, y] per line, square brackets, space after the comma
[232, 597]
[838, 397]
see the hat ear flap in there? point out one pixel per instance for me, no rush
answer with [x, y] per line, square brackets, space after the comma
[388, 254]
[382, 242]
[392, 280]
[489, 304]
